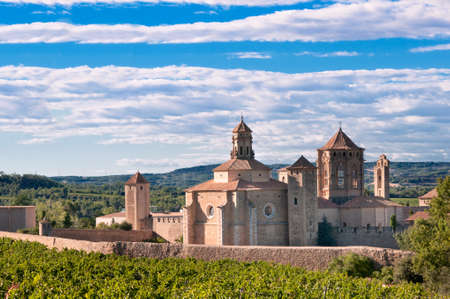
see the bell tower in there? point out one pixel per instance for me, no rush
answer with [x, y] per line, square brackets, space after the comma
[381, 177]
[242, 142]
[340, 165]
[137, 202]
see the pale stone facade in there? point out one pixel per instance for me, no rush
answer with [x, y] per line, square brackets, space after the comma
[243, 205]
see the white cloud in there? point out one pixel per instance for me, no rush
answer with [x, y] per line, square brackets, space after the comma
[329, 54]
[250, 55]
[442, 47]
[365, 20]
[200, 2]
[384, 110]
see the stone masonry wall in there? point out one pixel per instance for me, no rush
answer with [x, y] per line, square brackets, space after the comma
[13, 218]
[374, 236]
[169, 228]
[99, 235]
[312, 258]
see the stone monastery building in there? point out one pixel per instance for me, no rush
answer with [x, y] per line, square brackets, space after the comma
[244, 205]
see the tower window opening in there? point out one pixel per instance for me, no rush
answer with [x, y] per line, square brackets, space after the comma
[343, 154]
[240, 150]
[295, 201]
[354, 179]
[248, 150]
[340, 174]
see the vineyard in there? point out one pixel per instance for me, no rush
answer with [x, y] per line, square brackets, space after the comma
[31, 270]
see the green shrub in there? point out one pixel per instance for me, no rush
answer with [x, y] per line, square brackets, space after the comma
[386, 274]
[353, 265]
[31, 231]
[125, 226]
[403, 271]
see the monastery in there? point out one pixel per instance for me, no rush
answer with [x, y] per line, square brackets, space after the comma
[244, 205]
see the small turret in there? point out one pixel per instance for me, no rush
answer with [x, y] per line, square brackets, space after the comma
[381, 177]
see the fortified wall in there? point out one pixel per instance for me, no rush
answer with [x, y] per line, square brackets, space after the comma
[311, 258]
[169, 226]
[13, 218]
[101, 235]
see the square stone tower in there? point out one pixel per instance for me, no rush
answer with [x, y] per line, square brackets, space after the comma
[137, 202]
[302, 202]
[381, 177]
[340, 165]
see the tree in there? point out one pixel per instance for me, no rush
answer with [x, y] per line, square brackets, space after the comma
[393, 222]
[324, 234]
[23, 199]
[430, 240]
[67, 221]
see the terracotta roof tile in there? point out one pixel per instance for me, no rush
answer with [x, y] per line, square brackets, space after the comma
[340, 141]
[238, 185]
[242, 164]
[369, 202]
[302, 162]
[323, 203]
[430, 195]
[418, 215]
[119, 214]
[242, 127]
[136, 179]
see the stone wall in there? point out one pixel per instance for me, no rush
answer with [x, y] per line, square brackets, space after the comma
[372, 236]
[13, 218]
[312, 258]
[100, 235]
[167, 226]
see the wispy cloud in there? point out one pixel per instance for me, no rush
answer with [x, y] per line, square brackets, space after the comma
[385, 110]
[250, 55]
[442, 47]
[328, 54]
[200, 2]
[376, 19]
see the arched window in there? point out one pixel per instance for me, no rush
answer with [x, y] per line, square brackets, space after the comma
[354, 178]
[340, 176]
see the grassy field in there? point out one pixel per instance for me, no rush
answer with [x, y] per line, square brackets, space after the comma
[412, 202]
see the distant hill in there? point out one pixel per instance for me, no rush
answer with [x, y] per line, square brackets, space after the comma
[406, 174]
[11, 183]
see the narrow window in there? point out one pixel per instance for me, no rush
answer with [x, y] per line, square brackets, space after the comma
[340, 174]
[295, 201]
[247, 151]
[240, 150]
[354, 179]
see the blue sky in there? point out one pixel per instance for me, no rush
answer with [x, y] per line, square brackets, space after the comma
[97, 88]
